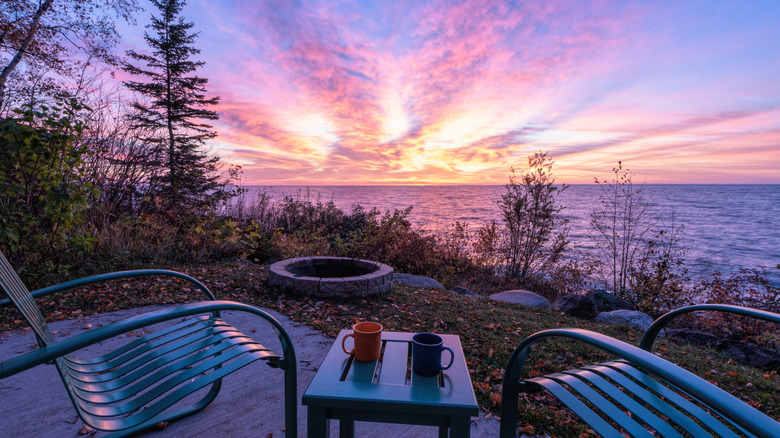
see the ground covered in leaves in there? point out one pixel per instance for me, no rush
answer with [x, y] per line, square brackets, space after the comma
[489, 332]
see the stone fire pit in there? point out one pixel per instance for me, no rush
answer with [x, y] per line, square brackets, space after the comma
[331, 276]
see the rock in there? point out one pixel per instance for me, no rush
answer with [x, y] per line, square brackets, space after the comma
[580, 306]
[752, 354]
[744, 352]
[631, 318]
[695, 337]
[523, 297]
[463, 291]
[418, 280]
[607, 302]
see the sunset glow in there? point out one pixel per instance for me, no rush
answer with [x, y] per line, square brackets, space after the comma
[321, 92]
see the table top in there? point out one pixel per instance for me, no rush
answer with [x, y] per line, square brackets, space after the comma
[389, 383]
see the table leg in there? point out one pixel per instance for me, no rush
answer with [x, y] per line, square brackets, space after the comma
[443, 431]
[460, 427]
[317, 423]
[346, 429]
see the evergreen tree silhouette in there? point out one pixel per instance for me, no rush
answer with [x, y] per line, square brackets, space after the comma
[172, 118]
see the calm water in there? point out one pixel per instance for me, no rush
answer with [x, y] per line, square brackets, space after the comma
[727, 227]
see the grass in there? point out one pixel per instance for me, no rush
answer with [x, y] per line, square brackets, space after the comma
[489, 331]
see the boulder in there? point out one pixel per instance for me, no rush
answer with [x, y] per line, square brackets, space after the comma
[607, 302]
[752, 354]
[417, 280]
[523, 297]
[631, 318]
[463, 291]
[580, 306]
[744, 352]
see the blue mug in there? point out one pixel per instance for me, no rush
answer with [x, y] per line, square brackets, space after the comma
[426, 354]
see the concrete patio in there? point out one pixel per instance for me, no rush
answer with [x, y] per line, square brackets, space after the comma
[34, 403]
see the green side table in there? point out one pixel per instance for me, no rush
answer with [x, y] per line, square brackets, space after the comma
[388, 391]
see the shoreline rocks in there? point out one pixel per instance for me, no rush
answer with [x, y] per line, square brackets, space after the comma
[581, 306]
[744, 352]
[417, 280]
[631, 318]
[522, 297]
[607, 302]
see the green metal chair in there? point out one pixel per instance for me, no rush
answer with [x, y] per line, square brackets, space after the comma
[136, 386]
[640, 394]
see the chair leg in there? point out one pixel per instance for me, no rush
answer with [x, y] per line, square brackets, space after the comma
[291, 400]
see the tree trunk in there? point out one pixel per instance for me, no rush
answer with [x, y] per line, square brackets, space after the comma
[23, 48]
[174, 180]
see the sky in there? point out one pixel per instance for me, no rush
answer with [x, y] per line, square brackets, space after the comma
[326, 92]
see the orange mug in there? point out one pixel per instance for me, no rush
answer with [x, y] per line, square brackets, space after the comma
[368, 341]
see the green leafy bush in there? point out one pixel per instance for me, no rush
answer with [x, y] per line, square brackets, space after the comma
[43, 197]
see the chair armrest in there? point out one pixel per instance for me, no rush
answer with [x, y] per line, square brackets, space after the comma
[696, 387]
[646, 343]
[93, 336]
[114, 276]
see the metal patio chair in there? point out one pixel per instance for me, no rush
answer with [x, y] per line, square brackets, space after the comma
[639, 394]
[137, 385]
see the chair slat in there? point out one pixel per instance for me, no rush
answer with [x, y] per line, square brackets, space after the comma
[632, 405]
[162, 367]
[598, 401]
[141, 365]
[150, 411]
[162, 336]
[581, 409]
[177, 377]
[20, 296]
[716, 424]
[637, 391]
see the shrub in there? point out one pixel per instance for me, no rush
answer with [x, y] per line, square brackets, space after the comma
[619, 226]
[486, 247]
[754, 288]
[150, 240]
[43, 197]
[659, 280]
[643, 260]
[535, 236]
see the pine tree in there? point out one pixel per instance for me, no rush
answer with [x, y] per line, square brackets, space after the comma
[171, 119]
